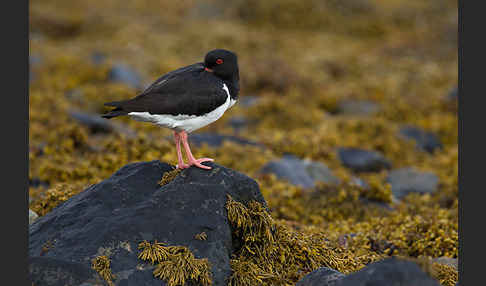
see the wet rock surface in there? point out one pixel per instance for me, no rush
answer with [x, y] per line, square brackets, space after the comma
[111, 218]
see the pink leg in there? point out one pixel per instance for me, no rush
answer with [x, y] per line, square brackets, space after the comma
[180, 160]
[190, 157]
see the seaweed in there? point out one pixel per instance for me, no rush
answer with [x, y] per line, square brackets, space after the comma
[175, 264]
[169, 176]
[101, 264]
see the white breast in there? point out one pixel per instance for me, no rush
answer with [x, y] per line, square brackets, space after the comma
[187, 123]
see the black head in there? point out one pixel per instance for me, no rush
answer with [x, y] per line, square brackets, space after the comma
[223, 63]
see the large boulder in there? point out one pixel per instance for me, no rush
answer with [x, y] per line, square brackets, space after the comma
[389, 272]
[112, 217]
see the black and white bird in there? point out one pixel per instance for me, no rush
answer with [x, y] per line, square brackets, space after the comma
[187, 99]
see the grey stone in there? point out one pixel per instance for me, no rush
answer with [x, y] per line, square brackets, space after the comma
[114, 216]
[408, 180]
[323, 276]
[97, 124]
[300, 172]
[216, 140]
[248, 100]
[291, 169]
[238, 122]
[426, 141]
[360, 160]
[389, 272]
[320, 172]
[357, 107]
[124, 74]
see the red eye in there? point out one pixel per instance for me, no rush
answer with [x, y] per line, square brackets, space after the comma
[219, 61]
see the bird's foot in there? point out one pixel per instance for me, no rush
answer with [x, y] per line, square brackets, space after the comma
[197, 163]
[182, 166]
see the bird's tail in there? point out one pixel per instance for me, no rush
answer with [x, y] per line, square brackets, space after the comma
[118, 111]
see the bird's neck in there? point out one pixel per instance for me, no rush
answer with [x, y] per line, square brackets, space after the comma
[233, 87]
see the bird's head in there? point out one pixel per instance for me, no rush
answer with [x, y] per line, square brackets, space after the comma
[222, 63]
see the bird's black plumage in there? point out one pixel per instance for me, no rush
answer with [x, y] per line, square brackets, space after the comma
[192, 90]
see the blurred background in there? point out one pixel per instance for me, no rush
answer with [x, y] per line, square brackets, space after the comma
[358, 97]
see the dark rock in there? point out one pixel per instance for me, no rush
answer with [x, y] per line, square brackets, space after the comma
[408, 180]
[216, 140]
[426, 141]
[113, 217]
[97, 124]
[300, 172]
[124, 74]
[46, 271]
[321, 277]
[360, 160]
[389, 272]
[357, 107]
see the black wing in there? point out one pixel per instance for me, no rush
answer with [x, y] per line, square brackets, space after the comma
[189, 90]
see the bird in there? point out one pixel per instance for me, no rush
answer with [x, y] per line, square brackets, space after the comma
[186, 99]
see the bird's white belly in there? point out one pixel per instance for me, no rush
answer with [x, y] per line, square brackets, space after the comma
[183, 122]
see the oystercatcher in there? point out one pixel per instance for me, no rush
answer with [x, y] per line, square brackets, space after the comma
[186, 99]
